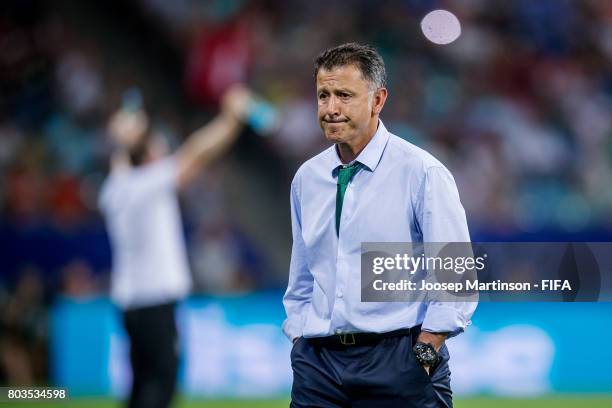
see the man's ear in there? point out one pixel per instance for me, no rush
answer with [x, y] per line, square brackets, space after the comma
[378, 101]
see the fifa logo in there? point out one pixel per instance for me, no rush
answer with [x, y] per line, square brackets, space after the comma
[556, 284]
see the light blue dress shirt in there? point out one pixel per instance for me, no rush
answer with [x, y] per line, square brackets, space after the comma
[402, 194]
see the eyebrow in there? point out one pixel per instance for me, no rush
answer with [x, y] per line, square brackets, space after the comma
[345, 90]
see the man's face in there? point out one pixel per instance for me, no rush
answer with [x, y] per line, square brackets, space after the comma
[345, 104]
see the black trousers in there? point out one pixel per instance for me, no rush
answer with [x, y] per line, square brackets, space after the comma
[385, 374]
[153, 355]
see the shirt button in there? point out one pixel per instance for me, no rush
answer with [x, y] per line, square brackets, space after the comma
[339, 294]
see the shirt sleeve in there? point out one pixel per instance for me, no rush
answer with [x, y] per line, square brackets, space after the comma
[299, 289]
[441, 218]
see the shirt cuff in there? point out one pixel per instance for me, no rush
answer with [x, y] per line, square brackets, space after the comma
[292, 327]
[444, 319]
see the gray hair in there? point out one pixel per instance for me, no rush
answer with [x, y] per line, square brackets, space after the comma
[364, 57]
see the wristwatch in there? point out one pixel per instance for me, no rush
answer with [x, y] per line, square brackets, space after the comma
[426, 354]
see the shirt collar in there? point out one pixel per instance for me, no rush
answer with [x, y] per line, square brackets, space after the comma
[371, 154]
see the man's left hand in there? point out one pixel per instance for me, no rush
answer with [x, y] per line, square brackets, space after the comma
[435, 339]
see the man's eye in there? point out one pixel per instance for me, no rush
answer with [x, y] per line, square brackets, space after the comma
[322, 96]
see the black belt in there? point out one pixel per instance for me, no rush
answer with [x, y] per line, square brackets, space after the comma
[360, 339]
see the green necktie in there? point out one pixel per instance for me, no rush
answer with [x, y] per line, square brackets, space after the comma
[345, 174]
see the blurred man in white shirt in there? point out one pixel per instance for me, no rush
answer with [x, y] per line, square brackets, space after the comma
[150, 268]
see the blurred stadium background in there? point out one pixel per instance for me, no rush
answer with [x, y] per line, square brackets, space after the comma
[518, 108]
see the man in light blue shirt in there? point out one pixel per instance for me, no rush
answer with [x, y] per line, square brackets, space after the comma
[370, 186]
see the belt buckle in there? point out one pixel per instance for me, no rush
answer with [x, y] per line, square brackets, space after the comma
[345, 340]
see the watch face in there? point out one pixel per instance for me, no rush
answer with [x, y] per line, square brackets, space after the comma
[426, 354]
[429, 356]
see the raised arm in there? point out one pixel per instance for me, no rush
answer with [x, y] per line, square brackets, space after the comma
[212, 140]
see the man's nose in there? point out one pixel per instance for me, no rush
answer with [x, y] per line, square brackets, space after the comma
[333, 107]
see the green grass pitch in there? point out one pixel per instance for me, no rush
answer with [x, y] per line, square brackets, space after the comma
[559, 401]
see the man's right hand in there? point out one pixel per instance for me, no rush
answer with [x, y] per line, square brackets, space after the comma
[236, 102]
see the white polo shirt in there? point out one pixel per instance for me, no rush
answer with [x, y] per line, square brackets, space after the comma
[142, 214]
